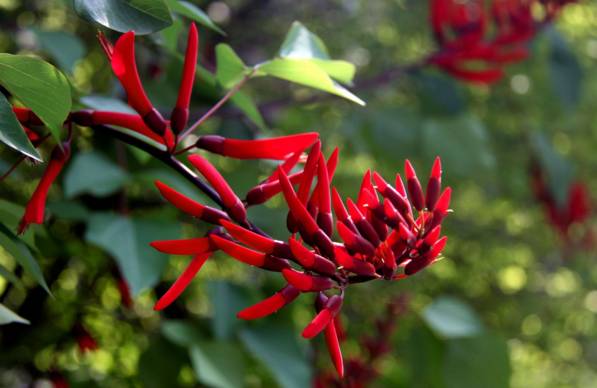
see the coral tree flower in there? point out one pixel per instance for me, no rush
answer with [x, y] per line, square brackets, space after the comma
[391, 232]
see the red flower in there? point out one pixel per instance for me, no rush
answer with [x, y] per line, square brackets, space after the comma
[382, 238]
[84, 339]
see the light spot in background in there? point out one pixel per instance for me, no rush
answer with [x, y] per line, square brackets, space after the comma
[359, 56]
[520, 84]
[101, 360]
[591, 48]
[570, 349]
[562, 283]
[8, 5]
[219, 12]
[511, 279]
[561, 143]
[531, 325]
[591, 301]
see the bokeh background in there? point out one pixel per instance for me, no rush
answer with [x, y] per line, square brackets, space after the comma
[514, 302]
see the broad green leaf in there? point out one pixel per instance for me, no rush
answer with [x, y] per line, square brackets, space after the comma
[306, 72]
[560, 173]
[218, 364]
[243, 102]
[182, 332]
[127, 240]
[38, 85]
[98, 102]
[64, 47]
[227, 300]
[11, 277]
[477, 362]
[141, 16]
[92, 173]
[230, 68]
[423, 352]
[451, 318]
[12, 133]
[68, 210]
[19, 251]
[566, 73]
[193, 12]
[7, 316]
[160, 364]
[277, 347]
[171, 34]
[300, 43]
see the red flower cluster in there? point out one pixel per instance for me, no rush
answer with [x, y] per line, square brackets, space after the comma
[361, 371]
[576, 210]
[476, 41]
[382, 238]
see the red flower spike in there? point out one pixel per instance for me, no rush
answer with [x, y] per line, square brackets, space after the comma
[407, 235]
[192, 246]
[189, 206]
[306, 283]
[182, 282]
[443, 203]
[263, 192]
[233, 204]
[240, 253]
[394, 195]
[324, 217]
[180, 114]
[270, 305]
[438, 247]
[364, 226]
[277, 148]
[400, 185]
[432, 236]
[333, 345]
[35, 209]
[257, 241]
[418, 264]
[126, 120]
[348, 262]
[366, 196]
[310, 260]
[286, 166]
[392, 216]
[414, 186]
[324, 317]
[306, 182]
[354, 241]
[434, 185]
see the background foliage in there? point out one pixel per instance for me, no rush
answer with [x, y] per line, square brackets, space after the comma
[512, 303]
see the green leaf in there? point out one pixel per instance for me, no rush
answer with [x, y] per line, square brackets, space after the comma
[141, 16]
[300, 43]
[243, 102]
[182, 332]
[559, 171]
[227, 300]
[230, 68]
[171, 34]
[12, 133]
[38, 85]
[19, 251]
[11, 277]
[64, 47]
[127, 240]
[306, 72]
[276, 346]
[477, 362]
[92, 173]
[160, 364]
[98, 102]
[7, 316]
[451, 318]
[565, 70]
[193, 12]
[218, 364]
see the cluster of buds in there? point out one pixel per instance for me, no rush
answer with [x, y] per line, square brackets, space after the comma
[390, 232]
[362, 370]
[574, 211]
[476, 41]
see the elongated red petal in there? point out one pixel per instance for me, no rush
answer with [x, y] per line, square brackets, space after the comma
[433, 235]
[126, 120]
[35, 209]
[434, 185]
[182, 282]
[265, 191]
[287, 166]
[270, 305]
[180, 114]
[365, 228]
[351, 264]
[182, 202]
[192, 246]
[304, 256]
[354, 241]
[324, 317]
[324, 217]
[277, 148]
[366, 196]
[256, 241]
[238, 252]
[306, 283]
[438, 247]
[443, 203]
[233, 204]
[414, 186]
[395, 195]
[339, 208]
[125, 68]
[333, 345]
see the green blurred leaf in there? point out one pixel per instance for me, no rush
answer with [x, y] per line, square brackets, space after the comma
[477, 362]
[19, 251]
[127, 240]
[218, 364]
[439, 95]
[193, 12]
[171, 34]
[12, 133]
[160, 364]
[566, 73]
[92, 173]
[7, 316]
[424, 354]
[38, 85]
[227, 300]
[230, 68]
[141, 16]
[98, 102]
[306, 72]
[451, 318]
[64, 47]
[68, 210]
[182, 332]
[276, 346]
[11, 277]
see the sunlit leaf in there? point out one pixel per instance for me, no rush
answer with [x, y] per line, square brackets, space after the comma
[12, 133]
[451, 318]
[193, 12]
[7, 316]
